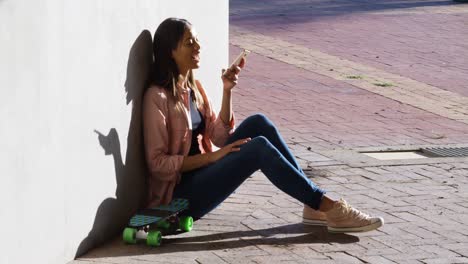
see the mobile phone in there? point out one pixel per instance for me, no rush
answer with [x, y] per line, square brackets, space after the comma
[243, 54]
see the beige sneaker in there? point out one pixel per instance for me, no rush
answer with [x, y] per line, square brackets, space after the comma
[313, 217]
[343, 218]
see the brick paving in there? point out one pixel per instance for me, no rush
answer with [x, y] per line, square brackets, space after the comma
[425, 206]
[423, 40]
[402, 89]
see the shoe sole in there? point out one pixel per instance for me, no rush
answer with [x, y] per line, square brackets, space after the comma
[366, 228]
[314, 222]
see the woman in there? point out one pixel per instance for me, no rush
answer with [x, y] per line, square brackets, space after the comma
[179, 129]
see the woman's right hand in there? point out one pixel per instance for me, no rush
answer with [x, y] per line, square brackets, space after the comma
[233, 147]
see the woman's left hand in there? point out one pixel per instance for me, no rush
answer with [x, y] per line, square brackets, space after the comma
[231, 76]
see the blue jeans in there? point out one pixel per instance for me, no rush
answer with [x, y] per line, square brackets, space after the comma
[208, 186]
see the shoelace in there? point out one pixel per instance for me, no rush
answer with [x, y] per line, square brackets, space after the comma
[349, 210]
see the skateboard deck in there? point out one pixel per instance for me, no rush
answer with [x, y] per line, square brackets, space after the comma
[148, 223]
[154, 215]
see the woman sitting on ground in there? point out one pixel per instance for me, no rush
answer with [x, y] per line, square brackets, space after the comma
[180, 127]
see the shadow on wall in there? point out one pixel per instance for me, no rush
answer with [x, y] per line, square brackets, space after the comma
[113, 214]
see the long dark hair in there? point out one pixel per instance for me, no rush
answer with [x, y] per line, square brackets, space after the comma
[164, 71]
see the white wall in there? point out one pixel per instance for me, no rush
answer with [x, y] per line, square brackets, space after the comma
[65, 69]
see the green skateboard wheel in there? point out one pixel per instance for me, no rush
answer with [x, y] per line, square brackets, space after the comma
[129, 235]
[186, 223]
[154, 238]
[164, 225]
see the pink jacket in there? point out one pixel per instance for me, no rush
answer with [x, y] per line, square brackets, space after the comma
[167, 137]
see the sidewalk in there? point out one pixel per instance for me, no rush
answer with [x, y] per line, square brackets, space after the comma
[339, 76]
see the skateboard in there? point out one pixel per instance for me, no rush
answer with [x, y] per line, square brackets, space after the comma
[148, 223]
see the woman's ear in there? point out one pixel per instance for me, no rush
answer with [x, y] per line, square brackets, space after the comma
[174, 51]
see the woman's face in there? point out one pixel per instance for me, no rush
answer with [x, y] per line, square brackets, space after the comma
[187, 54]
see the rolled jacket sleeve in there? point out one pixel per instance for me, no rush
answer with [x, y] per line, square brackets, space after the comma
[216, 130]
[219, 131]
[162, 165]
